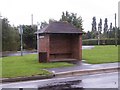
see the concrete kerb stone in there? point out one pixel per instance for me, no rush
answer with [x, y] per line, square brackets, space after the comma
[36, 77]
[63, 74]
[87, 72]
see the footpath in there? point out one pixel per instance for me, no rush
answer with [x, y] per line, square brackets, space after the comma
[85, 69]
[78, 69]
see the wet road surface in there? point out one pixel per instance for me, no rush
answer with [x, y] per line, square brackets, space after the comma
[105, 80]
[18, 53]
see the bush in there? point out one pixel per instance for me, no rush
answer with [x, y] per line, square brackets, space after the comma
[102, 42]
[10, 37]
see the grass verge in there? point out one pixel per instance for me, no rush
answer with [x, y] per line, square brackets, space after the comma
[101, 54]
[27, 65]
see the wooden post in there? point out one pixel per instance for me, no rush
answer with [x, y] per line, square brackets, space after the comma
[48, 47]
[80, 47]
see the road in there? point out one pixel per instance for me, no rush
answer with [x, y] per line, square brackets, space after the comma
[18, 53]
[105, 80]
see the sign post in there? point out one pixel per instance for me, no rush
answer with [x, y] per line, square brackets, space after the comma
[38, 25]
[21, 43]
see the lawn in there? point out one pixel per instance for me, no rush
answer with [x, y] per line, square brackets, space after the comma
[27, 65]
[101, 54]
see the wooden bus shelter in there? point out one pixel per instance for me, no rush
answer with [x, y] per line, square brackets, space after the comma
[59, 41]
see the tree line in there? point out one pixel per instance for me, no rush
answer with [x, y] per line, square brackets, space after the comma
[11, 35]
[105, 32]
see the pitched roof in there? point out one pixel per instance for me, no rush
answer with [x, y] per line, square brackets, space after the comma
[59, 27]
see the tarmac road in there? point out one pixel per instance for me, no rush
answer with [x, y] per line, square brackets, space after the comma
[18, 53]
[105, 80]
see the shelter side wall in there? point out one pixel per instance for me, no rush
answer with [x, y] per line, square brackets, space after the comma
[42, 44]
[44, 48]
[75, 48]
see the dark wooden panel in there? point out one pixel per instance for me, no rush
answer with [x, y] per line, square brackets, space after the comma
[43, 57]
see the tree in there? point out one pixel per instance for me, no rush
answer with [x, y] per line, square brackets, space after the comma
[10, 36]
[106, 28]
[99, 30]
[94, 29]
[29, 37]
[73, 19]
[111, 28]
[43, 24]
[110, 31]
[100, 25]
[88, 35]
[51, 20]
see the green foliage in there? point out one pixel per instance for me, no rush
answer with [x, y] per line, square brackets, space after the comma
[73, 19]
[94, 29]
[27, 65]
[118, 33]
[101, 54]
[102, 42]
[43, 24]
[99, 32]
[88, 35]
[10, 37]
[105, 26]
[29, 37]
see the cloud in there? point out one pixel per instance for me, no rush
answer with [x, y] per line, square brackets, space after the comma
[19, 11]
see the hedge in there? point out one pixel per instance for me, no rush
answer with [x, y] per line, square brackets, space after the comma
[102, 42]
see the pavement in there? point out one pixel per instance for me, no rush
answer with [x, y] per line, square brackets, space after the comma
[80, 68]
[84, 66]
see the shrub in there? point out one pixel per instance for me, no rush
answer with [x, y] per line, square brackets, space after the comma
[102, 42]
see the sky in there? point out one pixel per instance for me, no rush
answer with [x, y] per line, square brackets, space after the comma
[19, 12]
[119, 14]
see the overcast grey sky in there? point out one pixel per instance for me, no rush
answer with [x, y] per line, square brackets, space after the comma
[19, 11]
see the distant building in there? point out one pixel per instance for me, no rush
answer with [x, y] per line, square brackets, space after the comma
[119, 14]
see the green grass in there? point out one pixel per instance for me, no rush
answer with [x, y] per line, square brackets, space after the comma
[27, 65]
[101, 54]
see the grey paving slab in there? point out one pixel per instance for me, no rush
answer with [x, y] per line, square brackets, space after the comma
[83, 66]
